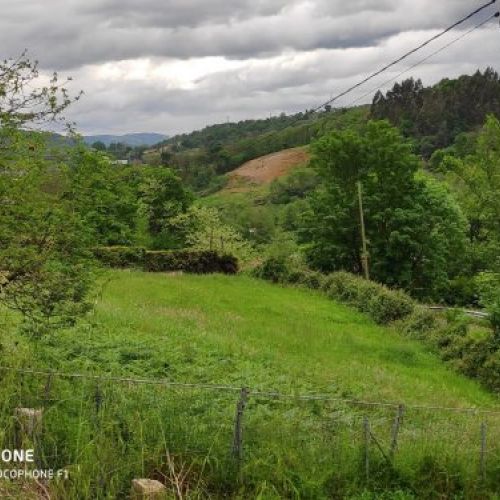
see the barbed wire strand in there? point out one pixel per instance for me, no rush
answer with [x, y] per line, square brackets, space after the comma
[258, 393]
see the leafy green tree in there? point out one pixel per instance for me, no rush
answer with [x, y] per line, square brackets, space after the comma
[46, 266]
[296, 185]
[99, 146]
[489, 288]
[104, 197]
[27, 102]
[414, 227]
[476, 178]
[119, 151]
[44, 260]
[291, 215]
[203, 229]
[163, 198]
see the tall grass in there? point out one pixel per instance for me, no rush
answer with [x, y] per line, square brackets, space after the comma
[245, 333]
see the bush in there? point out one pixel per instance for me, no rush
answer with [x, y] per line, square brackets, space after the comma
[312, 279]
[490, 371]
[273, 269]
[120, 257]
[387, 306]
[494, 311]
[462, 291]
[198, 262]
[190, 262]
[471, 350]
[381, 303]
[280, 269]
[419, 323]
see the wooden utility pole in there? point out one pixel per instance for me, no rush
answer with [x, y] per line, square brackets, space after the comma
[364, 254]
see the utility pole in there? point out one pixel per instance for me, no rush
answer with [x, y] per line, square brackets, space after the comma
[364, 254]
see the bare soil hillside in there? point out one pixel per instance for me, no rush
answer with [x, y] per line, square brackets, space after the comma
[265, 169]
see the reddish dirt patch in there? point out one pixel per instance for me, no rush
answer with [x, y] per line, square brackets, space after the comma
[265, 169]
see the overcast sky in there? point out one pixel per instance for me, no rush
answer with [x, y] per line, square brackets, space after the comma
[177, 65]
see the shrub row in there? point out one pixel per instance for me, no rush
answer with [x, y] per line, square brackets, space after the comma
[190, 262]
[379, 302]
[471, 351]
[198, 262]
[120, 257]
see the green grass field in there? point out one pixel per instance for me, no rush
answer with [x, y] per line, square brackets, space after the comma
[242, 331]
[238, 331]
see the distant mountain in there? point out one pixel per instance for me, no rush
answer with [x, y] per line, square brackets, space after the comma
[141, 139]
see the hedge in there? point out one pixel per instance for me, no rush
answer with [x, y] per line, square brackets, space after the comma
[120, 257]
[382, 304]
[276, 269]
[198, 262]
[190, 262]
[474, 354]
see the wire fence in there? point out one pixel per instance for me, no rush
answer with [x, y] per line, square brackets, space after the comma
[200, 437]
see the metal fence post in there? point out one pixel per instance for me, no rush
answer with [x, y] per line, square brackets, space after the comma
[238, 425]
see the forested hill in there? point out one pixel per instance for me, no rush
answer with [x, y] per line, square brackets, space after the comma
[201, 157]
[432, 117]
[435, 116]
[132, 140]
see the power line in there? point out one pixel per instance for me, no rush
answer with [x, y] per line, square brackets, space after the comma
[430, 56]
[404, 56]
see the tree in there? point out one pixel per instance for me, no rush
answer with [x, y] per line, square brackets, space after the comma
[46, 266]
[44, 260]
[163, 198]
[24, 102]
[99, 146]
[415, 229]
[103, 196]
[476, 178]
[436, 115]
[202, 229]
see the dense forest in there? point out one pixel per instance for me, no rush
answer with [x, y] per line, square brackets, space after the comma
[434, 117]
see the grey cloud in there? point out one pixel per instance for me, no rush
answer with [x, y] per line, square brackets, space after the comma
[175, 13]
[68, 34]
[292, 54]
[262, 88]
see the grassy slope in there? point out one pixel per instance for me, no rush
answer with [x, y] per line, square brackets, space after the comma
[242, 331]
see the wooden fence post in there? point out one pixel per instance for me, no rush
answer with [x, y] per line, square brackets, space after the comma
[29, 424]
[98, 397]
[367, 439]
[395, 431]
[482, 457]
[238, 425]
[47, 389]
